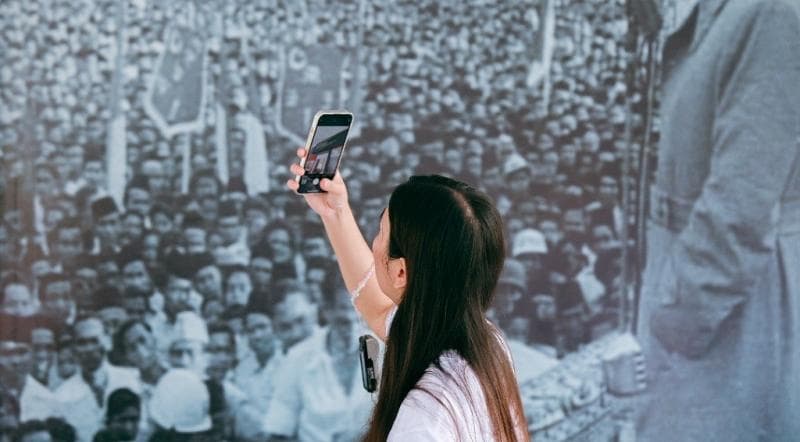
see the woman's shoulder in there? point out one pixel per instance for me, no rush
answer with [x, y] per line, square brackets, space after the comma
[448, 369]
[421, 418]
[451, 372]
[446, 401]
[429, 411]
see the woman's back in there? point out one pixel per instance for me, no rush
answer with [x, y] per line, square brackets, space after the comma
[446, 404]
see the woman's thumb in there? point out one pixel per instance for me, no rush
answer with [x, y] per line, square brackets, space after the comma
[332, 186]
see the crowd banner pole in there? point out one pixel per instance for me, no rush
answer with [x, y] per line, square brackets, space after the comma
[116, 140]
[186, 164]
[221, 113]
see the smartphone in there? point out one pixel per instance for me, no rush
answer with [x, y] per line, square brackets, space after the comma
[324, 148]
[368, 351]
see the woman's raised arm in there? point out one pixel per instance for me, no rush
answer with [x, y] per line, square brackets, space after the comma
[352, 252]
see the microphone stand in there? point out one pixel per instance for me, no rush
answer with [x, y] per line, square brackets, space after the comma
[644, 23]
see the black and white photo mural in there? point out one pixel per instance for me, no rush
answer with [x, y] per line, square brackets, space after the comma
[157, 275]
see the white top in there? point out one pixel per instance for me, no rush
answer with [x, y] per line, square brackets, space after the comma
[309, 401]
[79, 406]
[258, 382]
[446, 404]
[529, 363]
[37, 402]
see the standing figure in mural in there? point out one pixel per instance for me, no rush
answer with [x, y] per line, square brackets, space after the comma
[719, 316]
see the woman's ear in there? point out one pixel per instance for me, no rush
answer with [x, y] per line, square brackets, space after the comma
[398, 273]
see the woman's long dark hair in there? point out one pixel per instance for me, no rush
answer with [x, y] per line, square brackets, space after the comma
[451, 237]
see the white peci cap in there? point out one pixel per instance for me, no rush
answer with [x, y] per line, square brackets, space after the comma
[514, 163]
[191, 327]
[181, 402]
[528, 241]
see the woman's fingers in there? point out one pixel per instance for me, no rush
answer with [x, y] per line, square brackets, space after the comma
[335, 187]
[295, 168]
[292, 184]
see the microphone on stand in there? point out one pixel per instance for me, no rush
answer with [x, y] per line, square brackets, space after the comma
[645, 16]
[644, 24]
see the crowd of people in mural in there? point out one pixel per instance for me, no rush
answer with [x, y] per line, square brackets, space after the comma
[197, 304]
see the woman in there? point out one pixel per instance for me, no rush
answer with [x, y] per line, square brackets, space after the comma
[424, 289]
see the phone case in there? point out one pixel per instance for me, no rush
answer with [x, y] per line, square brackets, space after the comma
[311, 185]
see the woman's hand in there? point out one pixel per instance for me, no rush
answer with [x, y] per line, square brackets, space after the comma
[327, 204]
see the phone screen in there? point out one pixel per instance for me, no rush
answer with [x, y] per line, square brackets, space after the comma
[325, 150]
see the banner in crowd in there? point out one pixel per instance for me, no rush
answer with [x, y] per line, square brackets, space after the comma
[116, 140]
[541, 50]
[176, 94]
[312, 78]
